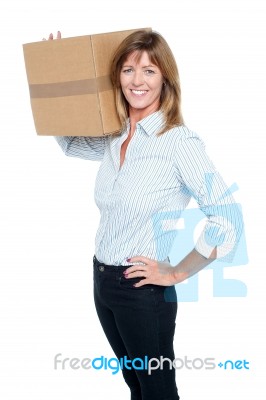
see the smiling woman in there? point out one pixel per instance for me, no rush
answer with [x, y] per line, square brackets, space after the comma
[144, 58]
[141, 84]
[148, 172]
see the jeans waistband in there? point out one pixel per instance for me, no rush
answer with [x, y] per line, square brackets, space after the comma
[106, 267]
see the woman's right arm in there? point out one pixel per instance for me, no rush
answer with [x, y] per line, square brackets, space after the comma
[88, 148]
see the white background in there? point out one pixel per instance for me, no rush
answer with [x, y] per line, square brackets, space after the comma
[48, 218]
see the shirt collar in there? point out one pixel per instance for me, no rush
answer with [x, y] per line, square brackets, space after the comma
[151, 124]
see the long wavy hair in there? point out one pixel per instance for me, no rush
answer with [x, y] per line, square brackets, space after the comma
[161, 55]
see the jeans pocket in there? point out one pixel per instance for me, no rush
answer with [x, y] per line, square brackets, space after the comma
[127, 283]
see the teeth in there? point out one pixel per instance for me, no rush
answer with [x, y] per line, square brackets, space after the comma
[139, 92]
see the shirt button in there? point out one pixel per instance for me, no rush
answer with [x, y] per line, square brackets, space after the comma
[101, 268]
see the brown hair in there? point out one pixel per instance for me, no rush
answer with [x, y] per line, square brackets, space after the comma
[161, 55]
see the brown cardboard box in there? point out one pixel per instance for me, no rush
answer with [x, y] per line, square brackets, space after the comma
[70, 87]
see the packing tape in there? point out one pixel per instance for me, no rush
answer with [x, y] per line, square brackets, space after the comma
[70, 88]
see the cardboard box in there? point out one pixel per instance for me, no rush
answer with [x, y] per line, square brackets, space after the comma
[70, 88]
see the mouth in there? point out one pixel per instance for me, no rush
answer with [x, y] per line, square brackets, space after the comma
[139, 92]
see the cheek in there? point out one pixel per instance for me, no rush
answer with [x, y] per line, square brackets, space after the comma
[157, 90]
[125, 93]
[157, 85]
[124, 80]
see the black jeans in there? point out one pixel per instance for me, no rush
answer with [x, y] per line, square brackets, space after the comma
[138, 323]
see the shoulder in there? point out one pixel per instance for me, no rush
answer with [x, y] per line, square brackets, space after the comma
[182, 132]
[182, 136]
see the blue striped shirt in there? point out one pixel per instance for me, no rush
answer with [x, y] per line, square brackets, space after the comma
[152, 188]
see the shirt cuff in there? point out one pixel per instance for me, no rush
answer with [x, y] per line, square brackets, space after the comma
[225, 251]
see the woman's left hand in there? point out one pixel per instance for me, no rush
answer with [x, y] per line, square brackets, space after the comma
[153, 272]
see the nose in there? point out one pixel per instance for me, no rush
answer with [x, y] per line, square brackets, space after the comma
[138, 78]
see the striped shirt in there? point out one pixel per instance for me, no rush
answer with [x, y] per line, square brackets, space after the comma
[154, 185]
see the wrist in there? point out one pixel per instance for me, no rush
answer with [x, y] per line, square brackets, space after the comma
[179, 276]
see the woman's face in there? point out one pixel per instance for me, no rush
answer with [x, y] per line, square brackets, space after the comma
[141, 82]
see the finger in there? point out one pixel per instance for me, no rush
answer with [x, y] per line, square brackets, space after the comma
[144, 260]
[135, 269]
[143, 282]
[58, 35]
[136, 274]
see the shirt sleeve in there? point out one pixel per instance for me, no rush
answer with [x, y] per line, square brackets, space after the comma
[201, 179]
[88, 148]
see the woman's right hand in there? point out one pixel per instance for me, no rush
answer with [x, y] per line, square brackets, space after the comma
[51, 36]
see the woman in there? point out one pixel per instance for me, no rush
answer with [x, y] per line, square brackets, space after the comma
[148, 173]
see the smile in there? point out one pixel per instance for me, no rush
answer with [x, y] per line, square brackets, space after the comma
[139, 92]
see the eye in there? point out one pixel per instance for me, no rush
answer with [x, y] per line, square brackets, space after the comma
[149, 71]
[127, 70]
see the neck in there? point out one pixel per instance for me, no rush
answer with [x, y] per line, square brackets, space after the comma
[136, 115]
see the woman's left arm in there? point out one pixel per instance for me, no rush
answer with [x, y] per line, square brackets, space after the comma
[222, 230]
[161, 273]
